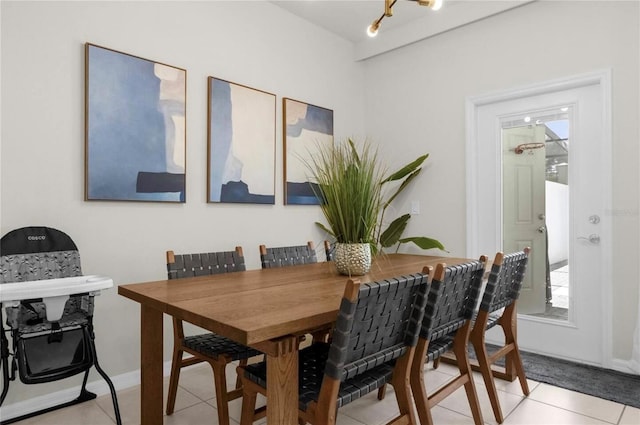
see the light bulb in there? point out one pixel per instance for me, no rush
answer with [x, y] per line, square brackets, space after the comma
[437, 4]
[372, 30]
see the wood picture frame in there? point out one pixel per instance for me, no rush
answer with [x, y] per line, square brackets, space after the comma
[135, 128]
[305, 128]
[241, 134]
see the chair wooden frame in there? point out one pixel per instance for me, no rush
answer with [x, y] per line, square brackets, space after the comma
[507, 272]
[217, 363]
[338, 367]
[425, 402]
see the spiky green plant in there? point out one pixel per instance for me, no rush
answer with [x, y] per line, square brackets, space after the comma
[355, 199]
[392, 235]
[348, 182]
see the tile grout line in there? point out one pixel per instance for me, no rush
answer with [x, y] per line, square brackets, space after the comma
[95, 401]
[573, 411]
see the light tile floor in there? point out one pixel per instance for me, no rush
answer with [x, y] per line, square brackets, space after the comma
[558, 308]
[195, 405]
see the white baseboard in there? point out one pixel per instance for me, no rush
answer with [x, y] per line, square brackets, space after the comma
[625, 366]
[619, 365]
[99, 387]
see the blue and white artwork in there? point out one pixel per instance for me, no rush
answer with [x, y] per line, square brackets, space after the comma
[307, 127]
[242, 134]
[135, 128]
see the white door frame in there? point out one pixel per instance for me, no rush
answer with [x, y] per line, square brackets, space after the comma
[486, 159]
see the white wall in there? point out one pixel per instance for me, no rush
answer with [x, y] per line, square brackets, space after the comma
[416, 97]
[251, 43]
[557, 221]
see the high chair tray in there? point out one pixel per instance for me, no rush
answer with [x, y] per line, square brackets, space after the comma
[49, 288]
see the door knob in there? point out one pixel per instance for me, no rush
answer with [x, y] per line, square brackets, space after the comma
[542, 229]
[592, 238]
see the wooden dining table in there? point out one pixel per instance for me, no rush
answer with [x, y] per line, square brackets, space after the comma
[268, 309]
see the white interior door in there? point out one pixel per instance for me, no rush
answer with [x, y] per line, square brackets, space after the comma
[523, 208]
[586, 98]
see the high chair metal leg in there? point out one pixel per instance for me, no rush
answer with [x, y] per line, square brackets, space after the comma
[84, 396]
[102, 373]
[4, 354]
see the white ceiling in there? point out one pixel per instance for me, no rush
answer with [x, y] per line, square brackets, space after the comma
[410, 22]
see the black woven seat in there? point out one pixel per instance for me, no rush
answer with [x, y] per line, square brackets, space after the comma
[214, 345]
[373, 344]
[312, 361]
[438, 347]
[284, 256]
[492, 320]
[215, 349]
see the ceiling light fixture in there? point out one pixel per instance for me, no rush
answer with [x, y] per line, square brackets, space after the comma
[372, 30]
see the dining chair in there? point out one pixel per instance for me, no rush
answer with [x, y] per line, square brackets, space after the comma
[284, 256]
[328, 250]
[498, 307]
[373, 344]
[446, 325]
[217, 350]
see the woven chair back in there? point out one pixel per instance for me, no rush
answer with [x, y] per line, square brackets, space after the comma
[272, 258]
[378, 326]
[505, 281]
[190, 265]
[452, 299]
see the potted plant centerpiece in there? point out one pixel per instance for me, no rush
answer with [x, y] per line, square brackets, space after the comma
[351, 184]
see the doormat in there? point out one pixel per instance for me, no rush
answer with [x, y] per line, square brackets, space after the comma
[608, 384]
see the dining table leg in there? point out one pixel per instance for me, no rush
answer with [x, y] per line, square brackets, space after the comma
[150, 366]
[282, 381]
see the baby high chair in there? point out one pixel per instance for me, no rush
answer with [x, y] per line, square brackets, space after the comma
[49, 309]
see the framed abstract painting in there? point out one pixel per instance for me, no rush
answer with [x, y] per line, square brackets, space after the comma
[306, 127]
[135, 132]
[241, 144]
